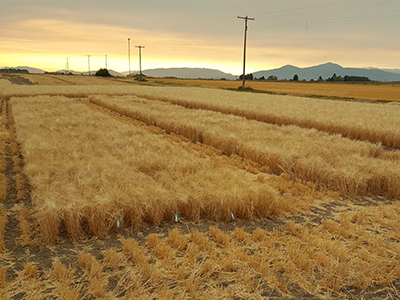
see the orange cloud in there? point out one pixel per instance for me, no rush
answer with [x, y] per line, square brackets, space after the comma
[41, 42]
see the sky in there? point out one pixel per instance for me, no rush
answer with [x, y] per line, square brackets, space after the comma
[208, 34]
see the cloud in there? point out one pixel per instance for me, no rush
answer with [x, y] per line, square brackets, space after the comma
[45, 39]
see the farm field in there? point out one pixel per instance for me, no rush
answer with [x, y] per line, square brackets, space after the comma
[360, 91]
[111, 189]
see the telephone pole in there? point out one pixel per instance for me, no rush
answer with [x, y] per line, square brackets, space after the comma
[129, 55]
[246, 18]
[106, 62]
[88, 56]
[66, 66]
[140, 60]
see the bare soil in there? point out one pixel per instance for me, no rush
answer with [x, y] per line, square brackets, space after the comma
[16, 79]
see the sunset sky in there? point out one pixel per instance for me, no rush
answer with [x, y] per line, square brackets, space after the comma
[207, 33]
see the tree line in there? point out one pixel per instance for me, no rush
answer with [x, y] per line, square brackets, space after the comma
[334, 77]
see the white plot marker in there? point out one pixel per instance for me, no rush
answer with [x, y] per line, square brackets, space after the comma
[176, 217]
[117, 223]
[233, 218]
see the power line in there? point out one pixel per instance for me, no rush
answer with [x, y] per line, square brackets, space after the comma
[302, 11]
[302, 8]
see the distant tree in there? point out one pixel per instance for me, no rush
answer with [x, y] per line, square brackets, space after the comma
[247, 76]
[295, 78]
[332, 78]
[335, 78]
[356, 78]
[320, 78]
[272, 77]
[103, 72]
[11, 70]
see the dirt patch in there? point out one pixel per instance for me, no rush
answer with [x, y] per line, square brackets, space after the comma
[17, 79]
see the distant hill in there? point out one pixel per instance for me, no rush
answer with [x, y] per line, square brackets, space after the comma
[284, 73]
[397, 71]
[326, 71]
[189, 73]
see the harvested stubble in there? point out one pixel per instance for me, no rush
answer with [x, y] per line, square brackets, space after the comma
[351, 167]
[3, 187]
[25, 226]
[88, 170]
[361, 250]
[373, 122]
[3, 222]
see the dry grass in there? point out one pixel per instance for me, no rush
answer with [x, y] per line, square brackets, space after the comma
[370, 122]
[78, 177]
[3, 274]
[351, 167]
[30, 271]
[89, 170]
[373, 122]
[372, 91]
[73, 80]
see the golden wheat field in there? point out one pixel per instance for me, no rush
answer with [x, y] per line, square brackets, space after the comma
[369, 91]
[115, 189]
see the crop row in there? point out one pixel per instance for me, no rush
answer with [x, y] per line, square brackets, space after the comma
[351, 167]
[94, 174]
[373, 122]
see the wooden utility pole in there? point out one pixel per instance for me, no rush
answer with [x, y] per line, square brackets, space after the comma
[89, 63]
[129, 55]
[66, 66]
[246, 18]
[140, 60]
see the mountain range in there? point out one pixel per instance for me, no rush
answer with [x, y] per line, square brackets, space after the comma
[327, 70]
[284, 73]
[189, 73]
